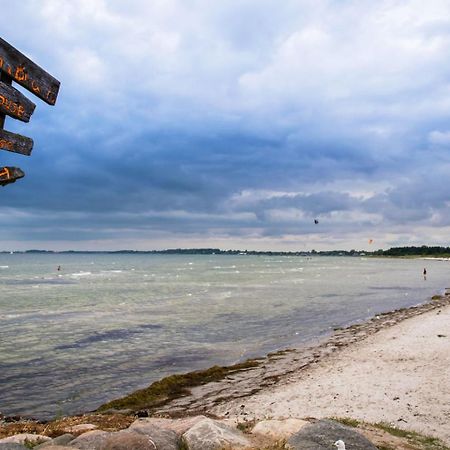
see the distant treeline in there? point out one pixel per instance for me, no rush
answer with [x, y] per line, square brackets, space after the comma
[414, 251]
[394, 251]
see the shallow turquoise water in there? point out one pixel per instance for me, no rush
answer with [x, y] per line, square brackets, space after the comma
[108, 324]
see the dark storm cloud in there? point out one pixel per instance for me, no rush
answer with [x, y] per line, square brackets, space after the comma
[233, 121]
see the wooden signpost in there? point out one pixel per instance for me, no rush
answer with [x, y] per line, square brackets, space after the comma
[16, 67]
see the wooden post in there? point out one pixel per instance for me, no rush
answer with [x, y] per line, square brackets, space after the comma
[5, 78]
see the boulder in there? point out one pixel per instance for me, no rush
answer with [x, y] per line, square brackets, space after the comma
[81, 428]
[92, 440]
[279, 429]
[58, 447]
[163, 438]
[212, 435]
[321, 435]
[179, 426]
[11, 446]
[129, 440]
[25, 437]
[64, 439]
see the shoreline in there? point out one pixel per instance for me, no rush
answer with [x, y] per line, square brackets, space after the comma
[397, 377]
[223, 396]
[277, 367]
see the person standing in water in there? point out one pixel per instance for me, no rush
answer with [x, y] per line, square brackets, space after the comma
[424, 273]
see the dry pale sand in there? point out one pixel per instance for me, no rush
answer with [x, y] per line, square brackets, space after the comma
[399, 375]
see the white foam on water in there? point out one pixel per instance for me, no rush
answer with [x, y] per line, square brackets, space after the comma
[4, 267]
[80, 274]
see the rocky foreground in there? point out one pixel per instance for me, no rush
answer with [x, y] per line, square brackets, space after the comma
[198, 433]
[203, 433]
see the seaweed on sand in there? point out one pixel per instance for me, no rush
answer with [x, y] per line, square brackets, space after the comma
[174, 386]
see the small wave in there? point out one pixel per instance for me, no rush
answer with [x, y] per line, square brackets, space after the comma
[80, 274]
[10, 316]
[4, 267]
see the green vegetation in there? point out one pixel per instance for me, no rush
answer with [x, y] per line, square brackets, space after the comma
[32, 444]
[414, 441]
[419, 441]
[347, 421]
[246, 426]
[174, 386]
[424, 250]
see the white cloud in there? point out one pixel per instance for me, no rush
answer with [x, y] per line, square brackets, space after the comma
[439, 137]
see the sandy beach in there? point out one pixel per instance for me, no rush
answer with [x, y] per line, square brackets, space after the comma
[398, 375]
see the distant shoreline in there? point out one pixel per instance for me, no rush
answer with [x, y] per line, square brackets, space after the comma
[434, 252]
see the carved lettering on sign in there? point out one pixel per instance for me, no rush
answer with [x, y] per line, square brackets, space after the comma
[27, 73]
[10, 175]
[15, 143]
[13, 108]
[4, 174]
[6, 145]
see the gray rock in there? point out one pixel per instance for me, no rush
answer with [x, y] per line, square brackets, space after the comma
[58, 447]
[64, 439]
[163, 438]
[81, 428]
[279, 429]
[180, 426]
[212, 435]
[129, 440]
[92, 440]
[321, 435]
[25, 437]
[11, 446]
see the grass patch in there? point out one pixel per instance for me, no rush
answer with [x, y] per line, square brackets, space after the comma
[28, 443]
[174, 386]
[347, 421]
[246, 426]
[421, 441]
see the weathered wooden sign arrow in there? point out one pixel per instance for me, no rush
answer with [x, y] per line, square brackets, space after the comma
[15, 104]
[10, 175]
[16, 67]
[15, 143]
[27, 73]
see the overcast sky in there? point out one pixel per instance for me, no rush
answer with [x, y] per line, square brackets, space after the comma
[233, 124]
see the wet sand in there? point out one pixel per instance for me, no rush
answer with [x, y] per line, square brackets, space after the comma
[399, 375]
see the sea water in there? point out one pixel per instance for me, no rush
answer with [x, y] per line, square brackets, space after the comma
[107, 324]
